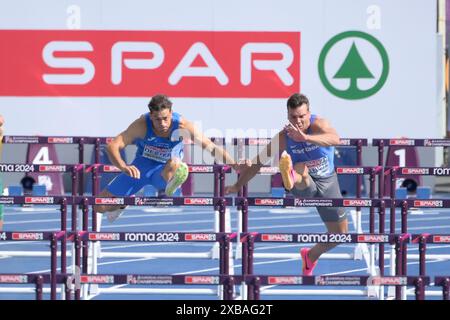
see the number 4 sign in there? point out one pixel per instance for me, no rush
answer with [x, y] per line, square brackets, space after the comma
[45, 154]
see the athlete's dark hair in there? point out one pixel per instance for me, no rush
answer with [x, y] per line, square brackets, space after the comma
[296, 100]
[159, 102]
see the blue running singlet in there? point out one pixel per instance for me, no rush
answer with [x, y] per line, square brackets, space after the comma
[151, 156]
[318, 159]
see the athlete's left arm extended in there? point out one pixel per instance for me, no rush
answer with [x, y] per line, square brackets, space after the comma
[219, 153]
[323, 134]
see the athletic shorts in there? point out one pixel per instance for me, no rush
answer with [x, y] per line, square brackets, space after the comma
[327, 187]
[124, 185]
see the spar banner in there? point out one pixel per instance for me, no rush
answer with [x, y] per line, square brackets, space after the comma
[90, 67]
[131, 63]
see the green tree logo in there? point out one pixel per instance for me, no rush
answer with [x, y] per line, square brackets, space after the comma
[353, 67]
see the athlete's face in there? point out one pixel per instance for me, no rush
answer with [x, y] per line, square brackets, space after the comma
[162, 120]
[300, 117]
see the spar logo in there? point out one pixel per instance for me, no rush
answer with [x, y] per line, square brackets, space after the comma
[247, 64]
[284, 280]
[350, 170]
[27, 236]
[258, 141]
[104, 236]
[357, 203]
[277, 237]
[269, 202]
[109, 201]
[269, 170]
[52, 168]
[97, 279]
[441, 239]
[201, 280]
[415, 171]
[59, 140]
[373, 238]
[429, 203]
[378, 281]
[39, 200]
[401, 142]
[10, 278]
[348, 57]
[201, 169]
[107, 168]
[198, 201]
[200, 237]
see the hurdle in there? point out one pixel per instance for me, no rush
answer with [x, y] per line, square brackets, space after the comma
[444, 282]
[398, 240]
[358, 170]
[37, 279]
[166, 237]
[226, 281]
[85, 202]
[255, 283]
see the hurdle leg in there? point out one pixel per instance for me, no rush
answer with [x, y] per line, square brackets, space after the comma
[238, 251]
[215, 250]
[392, 266]
[95, 253]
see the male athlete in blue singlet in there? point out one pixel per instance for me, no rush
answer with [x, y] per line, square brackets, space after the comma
[158, 136]
[306, 165]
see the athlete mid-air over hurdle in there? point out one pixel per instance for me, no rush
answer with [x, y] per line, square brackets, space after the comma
[305, 147]
[158, 136]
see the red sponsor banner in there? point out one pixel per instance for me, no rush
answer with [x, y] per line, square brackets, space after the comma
[12, 278]
[127, 63]
[284, 280]
[104, 236]
[109, 201]
[60, 140]
[269, 202]
[277, 237]
[429, 203]
[201, 280]
[50, 168]
[378, 280]
[357, 203]
[401, 142]
[201, 169]
[441, 239]
[27, 236]
[96, 279]
[415, 171]
[373, 238]
[38, 200]
[198, 201]
[269, 170]
[107, 168]
[350, 170]
[200, 237]
[258, 141]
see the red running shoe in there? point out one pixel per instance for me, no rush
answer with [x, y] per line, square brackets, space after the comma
[307, 265]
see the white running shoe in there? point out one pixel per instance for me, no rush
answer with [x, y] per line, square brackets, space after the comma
[178, 179]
